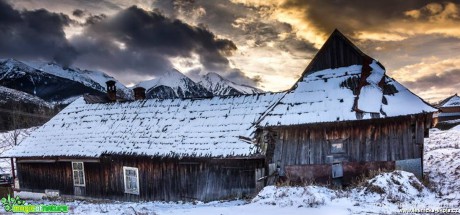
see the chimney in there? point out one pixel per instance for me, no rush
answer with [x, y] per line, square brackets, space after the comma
[139, 93]
[111, 91]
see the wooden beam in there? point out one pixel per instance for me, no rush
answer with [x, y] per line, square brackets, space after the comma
[36, 161]
[87, 160]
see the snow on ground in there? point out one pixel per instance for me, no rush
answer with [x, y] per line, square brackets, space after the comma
[386, 193]
[442, 163]
[454, 121]
[456, 128]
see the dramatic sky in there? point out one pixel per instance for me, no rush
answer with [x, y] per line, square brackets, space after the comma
[263, 43]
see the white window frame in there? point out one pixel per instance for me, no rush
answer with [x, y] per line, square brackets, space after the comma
[131, 191]
[73, 174]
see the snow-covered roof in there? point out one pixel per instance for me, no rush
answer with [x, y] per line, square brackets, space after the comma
[453, 101]
[172, 127]
[333, 95]
[355, 88]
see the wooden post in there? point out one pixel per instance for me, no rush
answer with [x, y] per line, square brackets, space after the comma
[12, 172]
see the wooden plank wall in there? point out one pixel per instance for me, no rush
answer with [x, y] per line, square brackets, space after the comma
[160, 179]
[40, 176]
[336, 52]
[368, 140]
[321, 173]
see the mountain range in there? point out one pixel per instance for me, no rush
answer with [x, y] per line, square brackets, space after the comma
[32, 92]
[55, 84]
[174, 84]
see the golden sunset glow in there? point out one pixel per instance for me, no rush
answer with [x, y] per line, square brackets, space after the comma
[269, 43]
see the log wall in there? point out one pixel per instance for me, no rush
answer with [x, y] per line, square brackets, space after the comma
[388, 139]
[159, 179]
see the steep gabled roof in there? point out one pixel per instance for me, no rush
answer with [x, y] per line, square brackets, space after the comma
[215, 127]
[451, 101]
[338, 51]
[342, 83]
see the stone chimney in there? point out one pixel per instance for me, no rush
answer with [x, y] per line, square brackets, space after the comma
[139, 93]
[111, 91]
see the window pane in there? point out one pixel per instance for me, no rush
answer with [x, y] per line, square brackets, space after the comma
[337, 148]
[82, 178]
[75, 177]
[131, 180]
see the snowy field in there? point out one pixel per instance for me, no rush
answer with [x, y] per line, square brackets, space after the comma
[386, 193]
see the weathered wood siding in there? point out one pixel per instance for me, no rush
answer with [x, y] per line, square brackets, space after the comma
[367, 140]
[336, 52]
[159, 179]
[321, 173]
[40, 176]
[450, 109]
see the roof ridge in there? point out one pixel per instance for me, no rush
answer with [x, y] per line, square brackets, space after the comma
[335, 34]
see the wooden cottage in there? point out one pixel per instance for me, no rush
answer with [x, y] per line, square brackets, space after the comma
[342, 118]
[449, 109]
[345, 117]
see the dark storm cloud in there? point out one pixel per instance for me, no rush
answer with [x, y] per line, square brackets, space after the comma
[78, 13]
[142, 41]
[93, 19]
[297, 46]
[351, 15]
[396, 54]
[239, 77]
[68, 6]
[246, 25]
[34, 34]
[447, 79]
[241, 22]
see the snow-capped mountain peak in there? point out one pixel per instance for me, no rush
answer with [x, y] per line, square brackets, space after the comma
[93, 79]
[218, 85]
[53, 82]
[173, 84]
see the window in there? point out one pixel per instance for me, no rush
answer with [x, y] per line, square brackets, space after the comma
[131, 178]
[337, 146]
[78, 174]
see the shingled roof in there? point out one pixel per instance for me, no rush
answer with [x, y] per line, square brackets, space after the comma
[333, 95]
[216, 127]
[342, 83]
[451, 101]
[352, 87]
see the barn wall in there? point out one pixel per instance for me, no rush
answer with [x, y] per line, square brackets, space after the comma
[40, 176]
[368, 140]
[450, 109]
[159, 179]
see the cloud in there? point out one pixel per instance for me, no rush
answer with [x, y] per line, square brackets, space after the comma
[34, 34]
[266, 47]
[433, 79]
[142, 42]
[239, 77]
[447, 79]
[78, 13]
[134, 41]
[275, 39]
[435, 12]
[69, 6]
[313, 20]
